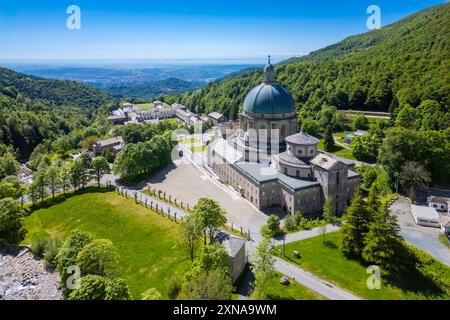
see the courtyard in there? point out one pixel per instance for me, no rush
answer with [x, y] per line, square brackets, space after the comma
[186, 182]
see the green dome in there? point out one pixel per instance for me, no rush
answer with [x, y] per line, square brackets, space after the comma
[269, 98]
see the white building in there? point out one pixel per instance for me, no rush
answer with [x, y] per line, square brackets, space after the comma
[425, 216]
[438, 203]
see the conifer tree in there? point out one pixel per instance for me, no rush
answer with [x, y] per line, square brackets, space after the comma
[328, 138]
[357, 219]
[382, 241]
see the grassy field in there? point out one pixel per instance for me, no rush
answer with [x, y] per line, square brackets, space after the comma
[277, 291]
[338, 151]
[145, 105]
[147, 242]
[292, 291]
[327, 261]
[443, 238]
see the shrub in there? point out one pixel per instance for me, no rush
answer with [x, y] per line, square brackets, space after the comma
[117, 289]
[11, 230]
[91, 288]
[38, 244]
[292, 222]
[272, 227]
[68, 252]
[173, 287]
[360, 123]
[94, 287]
[51, 251]
[98, 258]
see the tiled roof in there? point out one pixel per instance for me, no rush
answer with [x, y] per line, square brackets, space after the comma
[289, 159]
[437, 200]
[215, 115]
[231, 243]
[324, 161]
[111, 141]
[262, 173]
[302, 138]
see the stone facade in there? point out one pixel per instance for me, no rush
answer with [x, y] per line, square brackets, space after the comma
[270, 164]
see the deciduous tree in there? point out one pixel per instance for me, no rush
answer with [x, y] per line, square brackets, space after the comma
[100, 167]
[263, 268]
[11, 231]
[99, 257]
[209, 216]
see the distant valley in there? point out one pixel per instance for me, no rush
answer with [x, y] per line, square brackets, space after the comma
[137, 81]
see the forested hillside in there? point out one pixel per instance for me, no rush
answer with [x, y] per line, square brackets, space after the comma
[153, 89]
[35, 110]
[406, 62]
[56, 92]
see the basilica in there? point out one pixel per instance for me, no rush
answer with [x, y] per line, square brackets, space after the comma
[271, 164]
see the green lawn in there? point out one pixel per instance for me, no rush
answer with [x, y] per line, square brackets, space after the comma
[327, 261]
[443, 238]
[147, 242]
[339, 151]
[292, 291]
[277, 291]
[145, 105]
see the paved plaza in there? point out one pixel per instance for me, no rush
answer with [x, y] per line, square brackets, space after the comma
[186, 182]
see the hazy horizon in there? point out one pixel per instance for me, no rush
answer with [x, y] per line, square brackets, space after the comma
[36, 32]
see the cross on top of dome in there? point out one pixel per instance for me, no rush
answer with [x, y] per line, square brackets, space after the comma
[269, 72]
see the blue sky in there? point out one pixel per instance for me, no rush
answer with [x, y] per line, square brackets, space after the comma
[188, 29]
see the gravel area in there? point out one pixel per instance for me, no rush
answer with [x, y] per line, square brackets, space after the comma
[24, 277]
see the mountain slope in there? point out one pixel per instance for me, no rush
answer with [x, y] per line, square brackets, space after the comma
[57, 92]
[35, 110]
[153, 89]
[405, 62]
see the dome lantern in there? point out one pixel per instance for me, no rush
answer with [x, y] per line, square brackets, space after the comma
[269, 72]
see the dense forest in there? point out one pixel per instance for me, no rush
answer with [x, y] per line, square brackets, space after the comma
[57, 92]
[153, 89]
[405, 62]
[35, 110]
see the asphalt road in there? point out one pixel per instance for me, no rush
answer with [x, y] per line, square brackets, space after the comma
[424, 238]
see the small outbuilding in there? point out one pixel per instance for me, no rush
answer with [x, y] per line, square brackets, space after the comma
[235, 248]
[114, 145]
[351, 136]
[438, 203]
[216, 117]
[426, 216]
